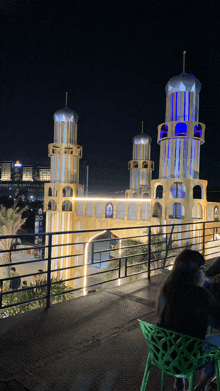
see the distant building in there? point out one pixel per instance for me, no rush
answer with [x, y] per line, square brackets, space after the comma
[25, 182]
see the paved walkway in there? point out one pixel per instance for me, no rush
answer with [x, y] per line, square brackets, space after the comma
[88, 343]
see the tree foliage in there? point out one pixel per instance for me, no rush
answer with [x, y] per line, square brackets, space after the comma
[10, 222]
[35, 293]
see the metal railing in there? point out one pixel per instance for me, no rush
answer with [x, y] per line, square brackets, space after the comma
[114, 256]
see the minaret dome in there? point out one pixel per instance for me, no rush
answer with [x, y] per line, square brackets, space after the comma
[183, 82]
[66, 115]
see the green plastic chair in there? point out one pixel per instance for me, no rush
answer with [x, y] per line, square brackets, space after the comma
[177, 354]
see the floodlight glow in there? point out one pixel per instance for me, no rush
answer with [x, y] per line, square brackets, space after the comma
[86, 259]
[111, 199]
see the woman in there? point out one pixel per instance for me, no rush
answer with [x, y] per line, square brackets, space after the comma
[184, 306]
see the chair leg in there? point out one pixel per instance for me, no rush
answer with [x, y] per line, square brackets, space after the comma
[162, 380]
[191, 381]
[217, 369]
[146, 375]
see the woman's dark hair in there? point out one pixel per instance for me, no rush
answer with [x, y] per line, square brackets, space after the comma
[185, 270]
[214, 271]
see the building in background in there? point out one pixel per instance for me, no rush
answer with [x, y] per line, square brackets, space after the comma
[24, 182]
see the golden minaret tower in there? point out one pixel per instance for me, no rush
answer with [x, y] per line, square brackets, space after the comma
[64, 184]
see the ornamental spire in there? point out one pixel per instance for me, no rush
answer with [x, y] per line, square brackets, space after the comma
[184, 59]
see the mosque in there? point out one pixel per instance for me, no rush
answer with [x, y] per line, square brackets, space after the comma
[177, 196]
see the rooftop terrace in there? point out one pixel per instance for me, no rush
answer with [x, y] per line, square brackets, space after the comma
[93, 342]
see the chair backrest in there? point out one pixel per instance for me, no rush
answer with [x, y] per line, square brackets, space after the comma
[177, 353]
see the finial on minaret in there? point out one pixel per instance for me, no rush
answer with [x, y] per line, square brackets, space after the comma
[66, 98]
[184, 59]
[142, 130]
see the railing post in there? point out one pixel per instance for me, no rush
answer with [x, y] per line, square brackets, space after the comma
[126, 260]
[203, 239]
[1, 288]
[149, 251]
[49, 271]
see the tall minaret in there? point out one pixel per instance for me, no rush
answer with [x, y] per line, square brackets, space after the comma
[180, 137]
[64, 156]
[140, 167]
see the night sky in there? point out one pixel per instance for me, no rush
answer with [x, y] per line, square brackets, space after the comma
[114, 58]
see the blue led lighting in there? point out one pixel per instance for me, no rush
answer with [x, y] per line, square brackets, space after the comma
[181, 129]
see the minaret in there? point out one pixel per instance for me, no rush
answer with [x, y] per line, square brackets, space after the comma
[180, 137]
[140, 167]
[64, 156]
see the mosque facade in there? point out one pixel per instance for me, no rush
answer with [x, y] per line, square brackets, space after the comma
[177, 196]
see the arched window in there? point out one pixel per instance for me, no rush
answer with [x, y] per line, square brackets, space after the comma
[132, 211]
[79, 209]
[157, 210]
[216, 215]
[120, 213]
[164, 131]
[198, 131]
[197, 192]
[134, 195]
[177, 190]
[66, 206]
[195, 212]
[180, 129]
[210, 213]
[159, 192]
[135, 165]
[109, 209]
[50, 192]
[79, 226]
[99, 210]
[89, 209]
[52, 205]
[146, 195]
[145, 211]
[145, 165]
[67, 191]
[177, 211]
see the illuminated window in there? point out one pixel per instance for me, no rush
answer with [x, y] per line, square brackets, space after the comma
[109, 209]
[198, 131]
[216, 213]
[177, 190]
[180, 129]
[164, 131]
[177, 211]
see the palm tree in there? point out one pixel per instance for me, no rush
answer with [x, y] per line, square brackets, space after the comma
[10, 222]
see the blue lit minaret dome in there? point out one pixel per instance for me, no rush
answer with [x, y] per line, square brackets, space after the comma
[181, 135]
[182, 91]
